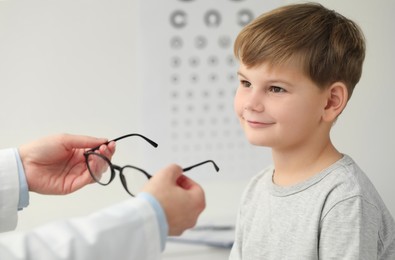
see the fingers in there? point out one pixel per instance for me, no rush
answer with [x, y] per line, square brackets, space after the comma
[80, 141]
[170, 174]
[173, 175]
[185, 182]
[181, 198]
[195, 191]
[107, 150]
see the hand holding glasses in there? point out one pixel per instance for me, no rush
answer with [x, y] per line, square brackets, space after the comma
[132, 178]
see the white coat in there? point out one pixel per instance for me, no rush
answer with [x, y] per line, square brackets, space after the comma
[129, 230]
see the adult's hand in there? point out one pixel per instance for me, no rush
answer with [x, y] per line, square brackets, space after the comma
[56, 164]
[181, 198]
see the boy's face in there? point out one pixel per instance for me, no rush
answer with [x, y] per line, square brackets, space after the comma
[278, 106]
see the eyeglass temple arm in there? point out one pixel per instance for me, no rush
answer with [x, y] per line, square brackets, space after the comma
[198, 164]
[124, 136]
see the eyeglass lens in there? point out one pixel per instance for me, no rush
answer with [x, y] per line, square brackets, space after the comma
[133, 179]
[99, 168]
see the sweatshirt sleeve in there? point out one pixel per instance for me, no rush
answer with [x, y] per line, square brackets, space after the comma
[350, 231]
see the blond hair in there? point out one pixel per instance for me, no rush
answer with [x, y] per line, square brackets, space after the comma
[330, 47]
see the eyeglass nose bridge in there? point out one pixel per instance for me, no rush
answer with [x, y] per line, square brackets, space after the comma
[123, 178]
[125, 184]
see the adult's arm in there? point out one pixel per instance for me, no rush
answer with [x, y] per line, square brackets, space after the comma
[128, 230]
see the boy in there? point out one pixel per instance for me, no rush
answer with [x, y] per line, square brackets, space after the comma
[299, 65]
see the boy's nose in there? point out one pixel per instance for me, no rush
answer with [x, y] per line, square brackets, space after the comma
[254, 102]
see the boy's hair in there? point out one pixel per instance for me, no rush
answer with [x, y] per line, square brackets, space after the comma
[329, 46]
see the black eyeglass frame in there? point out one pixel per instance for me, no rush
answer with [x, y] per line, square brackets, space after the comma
[114, 167]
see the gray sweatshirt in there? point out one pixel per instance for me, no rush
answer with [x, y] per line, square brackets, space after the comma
[337, 214]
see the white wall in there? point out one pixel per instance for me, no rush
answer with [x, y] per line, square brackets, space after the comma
[71, 66]
[67, 66]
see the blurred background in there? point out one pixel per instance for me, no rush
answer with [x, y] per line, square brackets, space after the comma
[164, 69]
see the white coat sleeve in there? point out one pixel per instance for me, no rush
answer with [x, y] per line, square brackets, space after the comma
[9, 190]
[129, 230]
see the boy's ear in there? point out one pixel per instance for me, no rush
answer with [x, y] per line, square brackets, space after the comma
[337, 99]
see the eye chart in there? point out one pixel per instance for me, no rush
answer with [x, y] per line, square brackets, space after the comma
[188, 81]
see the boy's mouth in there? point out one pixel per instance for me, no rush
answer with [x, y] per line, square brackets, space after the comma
[258, 124]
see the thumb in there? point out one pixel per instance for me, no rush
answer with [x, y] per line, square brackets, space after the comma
[172, 173]
[185, 182]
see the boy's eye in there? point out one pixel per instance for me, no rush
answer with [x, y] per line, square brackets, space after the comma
[245, 83]
[276, 89]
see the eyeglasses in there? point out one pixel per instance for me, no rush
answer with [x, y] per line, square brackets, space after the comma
[132, 178]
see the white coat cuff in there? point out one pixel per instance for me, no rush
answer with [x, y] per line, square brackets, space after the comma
[160, 215]
[23, 187]
[9, 190]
